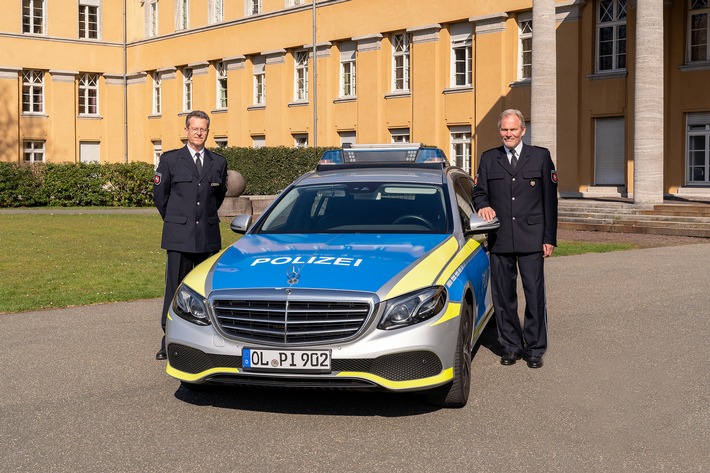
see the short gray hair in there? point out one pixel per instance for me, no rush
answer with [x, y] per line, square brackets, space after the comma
[197, 114]
[512, 111]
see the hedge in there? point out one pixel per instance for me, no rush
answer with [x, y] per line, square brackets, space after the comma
[266, 171]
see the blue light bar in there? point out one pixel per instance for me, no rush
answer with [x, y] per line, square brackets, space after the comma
[390, 154]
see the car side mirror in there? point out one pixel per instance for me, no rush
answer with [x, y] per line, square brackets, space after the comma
[479, 226]
[240, 224]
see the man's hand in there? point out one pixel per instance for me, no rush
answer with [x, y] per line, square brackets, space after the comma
[547, 250]
[487, 213]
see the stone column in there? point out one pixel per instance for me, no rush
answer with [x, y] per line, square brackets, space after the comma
[543, 88]
[648, 103]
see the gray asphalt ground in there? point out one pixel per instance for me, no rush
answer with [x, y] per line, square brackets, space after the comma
[625, 388]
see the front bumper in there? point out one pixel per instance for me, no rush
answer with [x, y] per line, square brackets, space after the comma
[407, 359]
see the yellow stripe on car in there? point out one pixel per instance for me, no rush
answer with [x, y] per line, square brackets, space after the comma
[452, 311]
[197, 277]
[446, 375]
[457, 261]
[427, 269]
[181, 375]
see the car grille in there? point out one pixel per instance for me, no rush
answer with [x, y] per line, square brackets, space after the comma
[290, 322]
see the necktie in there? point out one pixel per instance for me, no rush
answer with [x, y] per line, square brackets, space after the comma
[198, 163]
[513, 159]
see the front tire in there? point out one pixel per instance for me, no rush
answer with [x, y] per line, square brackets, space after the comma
[455, 393]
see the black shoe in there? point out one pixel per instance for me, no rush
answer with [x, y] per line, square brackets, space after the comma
[534, 362]
[161, 355]
[509, 358]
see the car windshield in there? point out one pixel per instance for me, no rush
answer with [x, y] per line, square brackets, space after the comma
[363, 207]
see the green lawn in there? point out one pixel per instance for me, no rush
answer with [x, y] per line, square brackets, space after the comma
[62, 260]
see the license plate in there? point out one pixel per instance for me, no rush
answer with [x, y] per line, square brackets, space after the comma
[290, 360]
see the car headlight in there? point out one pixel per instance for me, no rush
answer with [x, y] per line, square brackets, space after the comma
[413, 308]
[190, 306]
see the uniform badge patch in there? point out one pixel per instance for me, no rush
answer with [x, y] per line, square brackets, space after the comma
[157, 178]
[553, 176]
[475, 180]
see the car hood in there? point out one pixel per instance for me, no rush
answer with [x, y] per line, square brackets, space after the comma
[357, 262]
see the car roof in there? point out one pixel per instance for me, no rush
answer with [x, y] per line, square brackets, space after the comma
[374, 174]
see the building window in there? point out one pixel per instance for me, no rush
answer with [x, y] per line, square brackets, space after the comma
[300, 140]
[347, 69]
[217, 11]
[609, 159]
[400, 135]
[221, 142]
[33, 16]
[698, 157]
[157, 93]
[294, 3]
[611, 35]
[187, 89]
[182, 14]
[258, 141]
[33, 151]
[90, 152]
[347, 138]
[252, 7]
[461, 50]
[461, 147]
[259, 81]
[400, 62]
[698, 30]
[525, 32]
[300, 86]
[89, 19]
[89, 94]
[221, 84]
[153, 18]
[157, 152]
[32, 92]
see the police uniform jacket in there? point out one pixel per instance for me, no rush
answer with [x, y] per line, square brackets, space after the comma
[188, 203]
[524, 199]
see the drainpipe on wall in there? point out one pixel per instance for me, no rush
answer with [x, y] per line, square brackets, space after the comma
[125, 89]
[315, 80]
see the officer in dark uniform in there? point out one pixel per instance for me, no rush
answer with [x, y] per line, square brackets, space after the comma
[518, 184]
[189, 187]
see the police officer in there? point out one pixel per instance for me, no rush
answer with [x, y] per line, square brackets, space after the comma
[189, 187]
[518, 184]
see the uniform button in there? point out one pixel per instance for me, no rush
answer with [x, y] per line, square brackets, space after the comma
[199, 203]
[513, 199]
[513, 218]
[513, 179]
[198, 222]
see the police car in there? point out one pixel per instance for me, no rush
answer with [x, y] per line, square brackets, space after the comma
[370, 272]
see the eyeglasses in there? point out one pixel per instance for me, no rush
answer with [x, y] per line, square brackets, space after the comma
[198, 131]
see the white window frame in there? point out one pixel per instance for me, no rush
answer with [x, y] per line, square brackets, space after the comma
[259, 97]
[221, 70]
[88, 94]
[157, 93]
[461, 146]
[697, 125]
[400, 62]
[461, 55]
[294, 3]
[698, 10]
[153, 26]
[157, 152]
[300, 76]
[32, 92]
[187, 89]
[252, 7]
[216, 13]
[525, 34]
[300, 140]
[611, 15]
[90, 151]
[347, 137]
[33, 151]
[34, 17]
[182, 14]
[90, 18]
[348, 68]
[258, 141]
[400, 135]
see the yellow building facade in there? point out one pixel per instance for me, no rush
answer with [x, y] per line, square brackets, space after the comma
[87, 80]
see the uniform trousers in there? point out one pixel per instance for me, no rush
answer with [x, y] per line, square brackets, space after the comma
[176, 268]
[531, 339]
